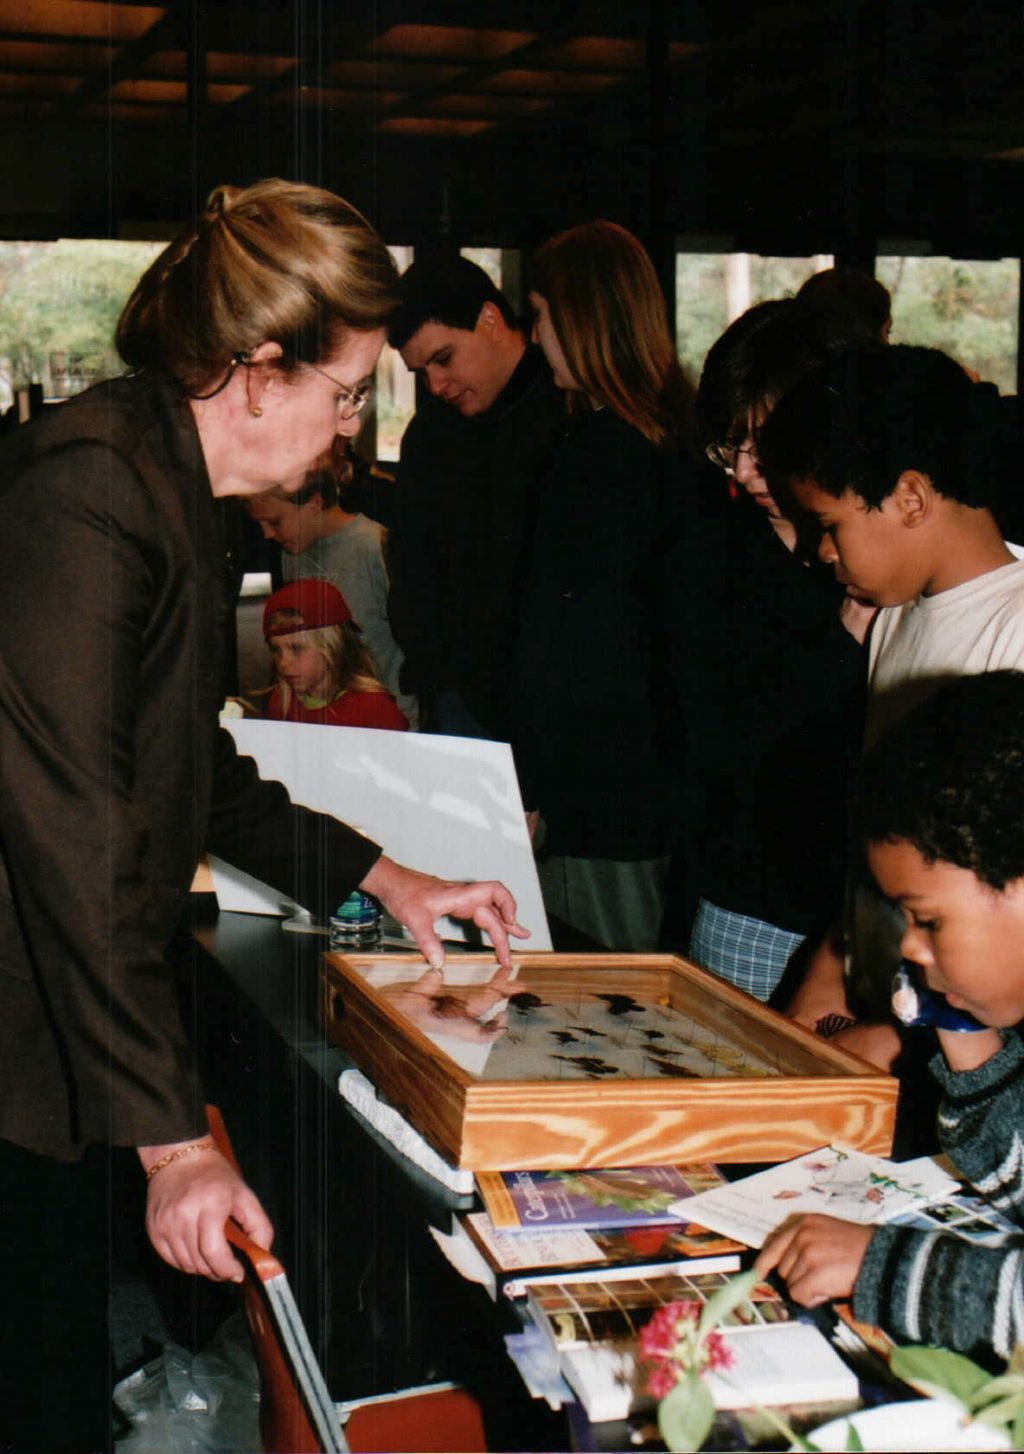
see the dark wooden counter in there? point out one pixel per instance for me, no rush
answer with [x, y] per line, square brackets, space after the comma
[383, 1308]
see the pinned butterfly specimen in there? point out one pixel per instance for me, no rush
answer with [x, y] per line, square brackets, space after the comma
[591, 1065]
[524, 1001]
[622, 1004]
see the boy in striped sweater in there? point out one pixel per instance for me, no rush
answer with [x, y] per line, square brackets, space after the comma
[941, 812]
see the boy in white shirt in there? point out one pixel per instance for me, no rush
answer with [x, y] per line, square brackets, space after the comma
[897, 455]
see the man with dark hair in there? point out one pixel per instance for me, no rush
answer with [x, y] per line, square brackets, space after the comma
[464, 498]
[850, 303]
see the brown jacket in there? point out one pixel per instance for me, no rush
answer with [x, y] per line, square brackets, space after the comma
[114, 774]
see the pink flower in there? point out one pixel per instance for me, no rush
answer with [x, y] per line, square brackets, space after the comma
[659, 1338]
[671, 1346]
[671, 1343]
[662, 1380]
[675, 1349]
[719, 1354]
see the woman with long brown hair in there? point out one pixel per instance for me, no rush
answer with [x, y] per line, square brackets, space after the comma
[592, 672]
[601, 319]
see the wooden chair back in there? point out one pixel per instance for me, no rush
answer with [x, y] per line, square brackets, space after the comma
[444, 1420]
[297, 1415]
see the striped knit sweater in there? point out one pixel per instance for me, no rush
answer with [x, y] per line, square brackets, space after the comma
[928, 1287]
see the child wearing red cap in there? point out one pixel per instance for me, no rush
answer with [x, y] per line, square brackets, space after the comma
[323, 671]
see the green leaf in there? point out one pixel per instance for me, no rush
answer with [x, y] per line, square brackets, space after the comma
[853, 1443]
[1017, 1437]
[686, 1414]
[1016, 1363]
[1004, 1386]
[1002, 1413]
[938, 1372]
[718, 1307]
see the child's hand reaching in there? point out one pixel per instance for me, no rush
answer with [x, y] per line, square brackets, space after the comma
[819, 1257]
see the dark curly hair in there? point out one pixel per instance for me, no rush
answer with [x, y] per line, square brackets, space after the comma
[868, 415]
[950, 779]
[848, 302]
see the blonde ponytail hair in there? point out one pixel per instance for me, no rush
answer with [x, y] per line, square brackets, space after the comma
[277, 262]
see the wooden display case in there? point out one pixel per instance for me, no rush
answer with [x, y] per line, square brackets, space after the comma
[606, 1060]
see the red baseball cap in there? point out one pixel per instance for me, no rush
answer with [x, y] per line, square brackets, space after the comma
[307, 605]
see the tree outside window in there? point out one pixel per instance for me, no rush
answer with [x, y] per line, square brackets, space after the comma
[59, 306]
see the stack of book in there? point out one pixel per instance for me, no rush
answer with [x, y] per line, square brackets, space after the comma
[612, 1223]
[593, 1255]
[593, 1329]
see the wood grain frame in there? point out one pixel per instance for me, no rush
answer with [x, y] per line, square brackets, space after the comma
[823, 1095]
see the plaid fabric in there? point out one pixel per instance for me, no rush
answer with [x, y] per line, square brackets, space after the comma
[747, 952]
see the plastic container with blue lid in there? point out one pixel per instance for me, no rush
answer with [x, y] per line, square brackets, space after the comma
[357, 923]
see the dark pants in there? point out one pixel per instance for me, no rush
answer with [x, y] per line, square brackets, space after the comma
[55, 1252]
[447, 713]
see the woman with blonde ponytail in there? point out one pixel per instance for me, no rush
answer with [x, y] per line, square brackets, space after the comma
[251, 343]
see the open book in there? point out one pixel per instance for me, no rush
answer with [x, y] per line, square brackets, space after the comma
[839, 1182]
[789, 1363]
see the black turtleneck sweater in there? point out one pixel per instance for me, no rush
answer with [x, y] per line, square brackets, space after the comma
[463, 513]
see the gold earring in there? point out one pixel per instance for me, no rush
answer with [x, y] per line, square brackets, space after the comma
[256, 411]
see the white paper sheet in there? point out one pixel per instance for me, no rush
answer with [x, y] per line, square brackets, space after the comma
[446, 805]
[835, 1180]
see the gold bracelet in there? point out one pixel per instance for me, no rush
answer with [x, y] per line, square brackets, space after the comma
[206, 1145]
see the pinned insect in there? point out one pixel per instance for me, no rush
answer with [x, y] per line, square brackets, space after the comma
[591, 1065]
[524, 1001]
[622, 1004]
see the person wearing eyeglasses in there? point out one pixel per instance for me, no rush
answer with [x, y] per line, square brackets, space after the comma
[250, 343]
[778, 702]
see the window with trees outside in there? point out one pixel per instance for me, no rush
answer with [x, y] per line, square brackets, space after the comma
[488, 258]
[395, 386]
[59, 306]
[714, 288]
[967, 308]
